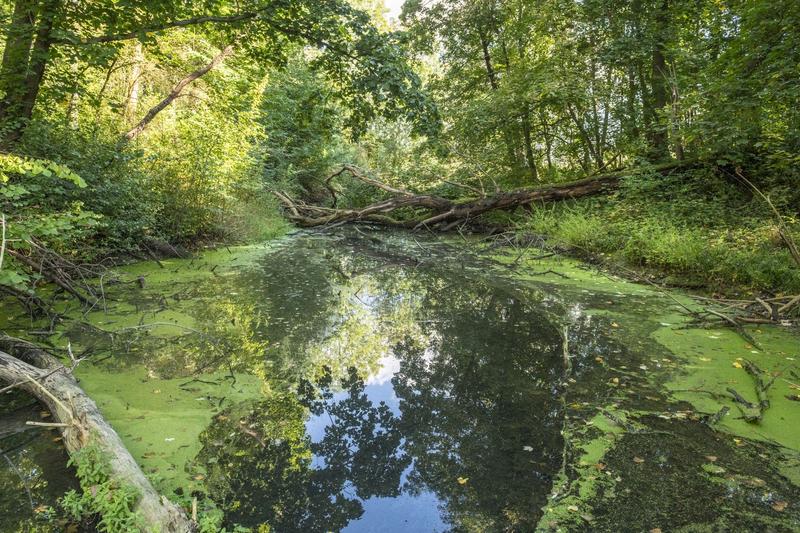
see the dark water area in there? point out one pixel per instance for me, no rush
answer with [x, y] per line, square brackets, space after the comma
[403, 383]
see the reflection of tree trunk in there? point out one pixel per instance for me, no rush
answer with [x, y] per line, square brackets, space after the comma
[82, 424]
[176, 91]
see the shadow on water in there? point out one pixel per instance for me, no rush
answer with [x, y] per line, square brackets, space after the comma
[382, 382]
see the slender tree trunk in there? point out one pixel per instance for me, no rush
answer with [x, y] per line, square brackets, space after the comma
[14, 70]
[548, 140]
[659, 83]
[526, 134]
[491, 77]
[132, 104]
[589, 148]
[40, 55]
[630, 104]
[675, 122]
[176, 91]
[71, 115]
[487, 61]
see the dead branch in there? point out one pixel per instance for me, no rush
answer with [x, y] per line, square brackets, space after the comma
[758, 310]
[430, 211]
[176, 91]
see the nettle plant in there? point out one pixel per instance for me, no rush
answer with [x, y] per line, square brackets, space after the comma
[36, 206]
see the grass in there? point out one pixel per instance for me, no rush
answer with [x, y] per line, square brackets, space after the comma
[684, 244]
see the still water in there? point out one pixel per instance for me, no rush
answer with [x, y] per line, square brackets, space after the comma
[376, 381]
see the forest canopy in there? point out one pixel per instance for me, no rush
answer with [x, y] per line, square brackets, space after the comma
[181, 119]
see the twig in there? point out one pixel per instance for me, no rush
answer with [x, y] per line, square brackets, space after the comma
[21, 478]
[3, 247]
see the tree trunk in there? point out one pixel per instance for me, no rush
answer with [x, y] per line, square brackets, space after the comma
[14, 70]
[40, 55]
[53, 385]
[176, 91]
[658, 82]
[443, 212]
[526, 135]
[132, 104]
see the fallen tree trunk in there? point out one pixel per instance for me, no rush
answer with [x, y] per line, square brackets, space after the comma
[81, 423]
[430, 211]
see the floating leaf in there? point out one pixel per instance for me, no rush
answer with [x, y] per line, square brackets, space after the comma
[780, 506]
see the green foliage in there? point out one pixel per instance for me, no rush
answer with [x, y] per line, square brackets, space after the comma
[102, 496]
[693, 228]
[34, 200]
[304, 130]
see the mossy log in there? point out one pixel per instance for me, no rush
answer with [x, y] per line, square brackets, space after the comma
[81, 423]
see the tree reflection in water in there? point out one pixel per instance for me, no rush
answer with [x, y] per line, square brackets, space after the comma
[469, 414]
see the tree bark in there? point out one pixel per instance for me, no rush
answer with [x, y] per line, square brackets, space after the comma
[176, 91]
[442, 212]
[132, 104]
[53, 385]
[16, 56]
[658, 82]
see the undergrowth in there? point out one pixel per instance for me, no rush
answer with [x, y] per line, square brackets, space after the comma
[695, 230]
[109, 501]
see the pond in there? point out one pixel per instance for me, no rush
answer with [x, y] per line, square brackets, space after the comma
[370, 380]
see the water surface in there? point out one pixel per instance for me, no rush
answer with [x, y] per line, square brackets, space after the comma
[380, 381]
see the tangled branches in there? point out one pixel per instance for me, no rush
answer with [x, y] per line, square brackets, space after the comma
[430, 211]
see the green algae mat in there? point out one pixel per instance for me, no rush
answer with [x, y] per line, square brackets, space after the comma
[367, 380]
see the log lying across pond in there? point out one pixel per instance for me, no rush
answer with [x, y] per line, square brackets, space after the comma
[81, 423]
[442, 213]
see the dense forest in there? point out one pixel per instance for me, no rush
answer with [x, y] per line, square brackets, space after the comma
[661, 137]
[126, 123]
